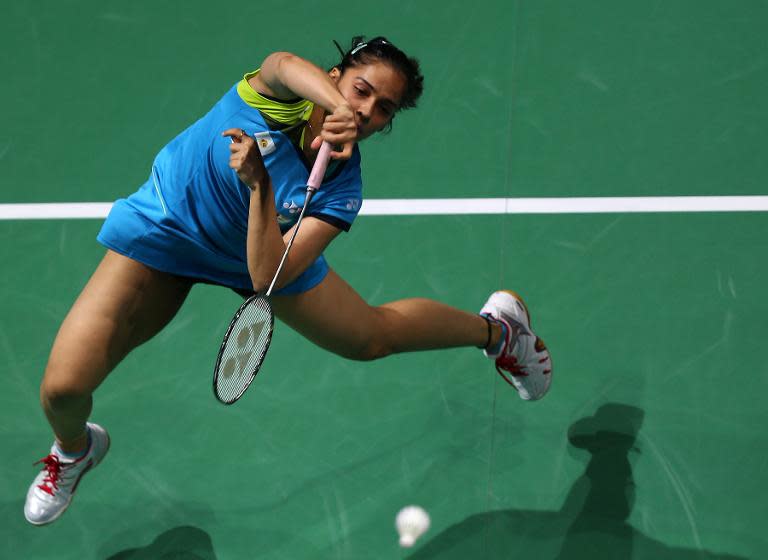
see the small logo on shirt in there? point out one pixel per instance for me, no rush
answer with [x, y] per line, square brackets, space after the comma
[265, 143]
[292, 208]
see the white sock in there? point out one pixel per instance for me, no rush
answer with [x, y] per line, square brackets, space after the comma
[71, 457]
[496, 350]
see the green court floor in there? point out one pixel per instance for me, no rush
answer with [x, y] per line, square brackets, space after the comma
[651, 444]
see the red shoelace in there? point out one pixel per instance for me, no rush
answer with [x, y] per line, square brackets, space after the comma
[53, 467]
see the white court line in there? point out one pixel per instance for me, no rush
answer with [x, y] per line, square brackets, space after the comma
[447, 206]
[585, 205]
[54, 210]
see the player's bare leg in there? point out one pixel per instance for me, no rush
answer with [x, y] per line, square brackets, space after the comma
[124, 304]
[335, 317]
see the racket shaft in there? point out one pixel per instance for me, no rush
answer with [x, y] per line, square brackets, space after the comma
[290, 243]
[315, 178]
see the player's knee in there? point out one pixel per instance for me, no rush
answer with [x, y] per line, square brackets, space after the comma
[376, 350]
[368, 350]
[378, 342]
[60, 394]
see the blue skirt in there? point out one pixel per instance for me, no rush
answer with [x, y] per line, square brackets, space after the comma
[166, 245]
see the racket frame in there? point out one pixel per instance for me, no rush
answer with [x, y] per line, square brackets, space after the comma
[231, 327]
[313, 183]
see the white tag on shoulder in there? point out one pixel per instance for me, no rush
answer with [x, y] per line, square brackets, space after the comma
[265, 143]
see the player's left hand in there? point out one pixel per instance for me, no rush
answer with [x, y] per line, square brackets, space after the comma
[245, 158]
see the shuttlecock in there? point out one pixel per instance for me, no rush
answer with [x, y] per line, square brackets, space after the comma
[411, 522]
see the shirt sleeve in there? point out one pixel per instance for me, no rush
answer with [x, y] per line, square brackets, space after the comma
[281, 112]
[339, 201]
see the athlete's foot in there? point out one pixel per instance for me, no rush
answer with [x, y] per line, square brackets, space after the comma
[521, 357]
[53, 488]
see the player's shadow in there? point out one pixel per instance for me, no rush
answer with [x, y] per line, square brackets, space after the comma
[179, 543]
[593, 520]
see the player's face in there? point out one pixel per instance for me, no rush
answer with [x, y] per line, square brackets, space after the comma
[374, 92]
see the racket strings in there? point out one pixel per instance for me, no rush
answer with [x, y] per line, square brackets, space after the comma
[247, 340]
[244, 349]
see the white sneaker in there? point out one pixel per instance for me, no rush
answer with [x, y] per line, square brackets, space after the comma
[523, 360]
[53, 488]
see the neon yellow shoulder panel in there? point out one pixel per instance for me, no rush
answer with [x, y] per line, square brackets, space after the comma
[279, 111]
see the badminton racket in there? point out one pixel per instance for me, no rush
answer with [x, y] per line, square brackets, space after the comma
[247, 339]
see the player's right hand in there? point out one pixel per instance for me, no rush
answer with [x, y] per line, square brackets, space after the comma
[340, 129]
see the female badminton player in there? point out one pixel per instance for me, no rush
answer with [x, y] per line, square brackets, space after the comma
[219, 203]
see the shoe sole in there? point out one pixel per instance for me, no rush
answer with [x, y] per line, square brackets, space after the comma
[521, 300]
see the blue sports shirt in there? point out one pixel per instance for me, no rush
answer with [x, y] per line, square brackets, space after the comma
[190, 217]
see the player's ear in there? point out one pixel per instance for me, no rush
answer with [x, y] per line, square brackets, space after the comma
[335, 74]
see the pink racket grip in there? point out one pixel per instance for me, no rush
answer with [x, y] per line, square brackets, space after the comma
[321, 164]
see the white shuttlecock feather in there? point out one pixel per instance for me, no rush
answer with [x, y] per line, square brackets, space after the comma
[411, 522]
